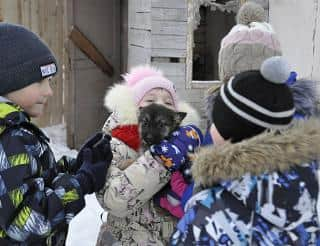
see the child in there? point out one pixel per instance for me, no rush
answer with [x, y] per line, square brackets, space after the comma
[133, 218]
[38, 197]
[261, 177]
[245, 47]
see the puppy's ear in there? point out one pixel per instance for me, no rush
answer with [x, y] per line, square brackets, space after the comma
[179, 116]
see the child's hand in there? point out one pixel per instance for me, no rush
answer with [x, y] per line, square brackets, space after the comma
[88, 144]
[175, 151]
[175, 195]
[95, 163]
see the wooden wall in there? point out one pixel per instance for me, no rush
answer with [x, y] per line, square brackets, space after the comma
[46, 18]
[158, 36]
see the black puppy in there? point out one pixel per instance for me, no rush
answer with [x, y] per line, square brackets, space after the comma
[157, 122]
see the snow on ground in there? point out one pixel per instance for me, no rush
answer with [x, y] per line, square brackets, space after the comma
[84, 228]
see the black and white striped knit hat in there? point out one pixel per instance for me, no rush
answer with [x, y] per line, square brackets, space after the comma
[253, 101]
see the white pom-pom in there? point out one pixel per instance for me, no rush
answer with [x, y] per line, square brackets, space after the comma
[275, 69]
[251, 12]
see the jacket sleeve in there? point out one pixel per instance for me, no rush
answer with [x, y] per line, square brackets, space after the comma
[130, 188]
[35, 199]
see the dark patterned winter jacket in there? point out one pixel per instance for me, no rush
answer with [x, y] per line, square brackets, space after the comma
[261, 191]
[37, 200]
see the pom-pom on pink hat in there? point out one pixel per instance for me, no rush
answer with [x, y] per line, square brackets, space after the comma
[142, 79]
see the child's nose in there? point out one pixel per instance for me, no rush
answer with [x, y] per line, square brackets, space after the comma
[48, 90]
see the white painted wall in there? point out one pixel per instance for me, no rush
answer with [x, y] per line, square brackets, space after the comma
[297, 24]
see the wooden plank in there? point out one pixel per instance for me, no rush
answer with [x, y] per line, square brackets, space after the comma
[140, 20]
[169, 41]
[1, 11]
[171, 69]
[69, 85]
[179, 81]
[60, 38]
[11, 11]
[170, 4]
[140, 6]
[194, 95]
[47, 31]
[169, 14]
[139, 37]
[165, 52]
[169, 28]
[124, 36]
[86, 46]
[34, 16]
[138, 55]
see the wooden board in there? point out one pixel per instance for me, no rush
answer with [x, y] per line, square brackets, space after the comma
[171, 69]
[165, 52]
[176, 28]
[164, 14]
[100, 21]
[169, 41]
[140, 37]
[173, 4]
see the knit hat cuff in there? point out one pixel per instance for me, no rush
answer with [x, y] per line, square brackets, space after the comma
[258, 34]
[149, 83]
[27, 73]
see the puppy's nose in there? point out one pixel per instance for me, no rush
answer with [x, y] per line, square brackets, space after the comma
[149, 139]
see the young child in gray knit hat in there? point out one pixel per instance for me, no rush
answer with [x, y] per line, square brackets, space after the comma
[245, 47]
[38, 196]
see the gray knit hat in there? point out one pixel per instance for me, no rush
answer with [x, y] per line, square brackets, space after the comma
[24, 58]
[248, 44]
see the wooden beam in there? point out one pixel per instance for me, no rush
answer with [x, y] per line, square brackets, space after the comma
[90, 50]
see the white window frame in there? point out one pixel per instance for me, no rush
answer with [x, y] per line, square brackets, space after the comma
[193, 22]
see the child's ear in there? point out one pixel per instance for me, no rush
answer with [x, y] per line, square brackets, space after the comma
[179, 116]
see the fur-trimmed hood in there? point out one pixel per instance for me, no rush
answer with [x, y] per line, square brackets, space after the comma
[266, 152]
[119, 100]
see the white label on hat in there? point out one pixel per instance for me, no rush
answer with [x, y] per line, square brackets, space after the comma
[48, 70]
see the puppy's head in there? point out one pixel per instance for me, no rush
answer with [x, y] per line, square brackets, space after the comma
[156, 122]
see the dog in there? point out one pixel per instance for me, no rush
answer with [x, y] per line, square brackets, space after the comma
[156, 123]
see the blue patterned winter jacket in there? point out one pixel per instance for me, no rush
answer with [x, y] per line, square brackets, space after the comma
[261, 191]
[37, 197]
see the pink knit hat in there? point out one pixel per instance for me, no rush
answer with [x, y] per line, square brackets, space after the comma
[142, 79]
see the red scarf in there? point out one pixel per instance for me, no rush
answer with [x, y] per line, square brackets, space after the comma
[129, 134]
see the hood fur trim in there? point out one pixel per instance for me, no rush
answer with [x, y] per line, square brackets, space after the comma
[305, 97]
[266, 152]
[119, 98]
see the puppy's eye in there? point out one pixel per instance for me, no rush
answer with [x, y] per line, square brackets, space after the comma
[161, 124]
[169, 103]
[150, 101]
[145, 123]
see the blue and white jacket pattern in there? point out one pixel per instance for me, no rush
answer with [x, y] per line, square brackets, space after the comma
[261, 191]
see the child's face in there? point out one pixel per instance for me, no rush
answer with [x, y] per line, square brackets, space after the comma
[33, 97]
[159, 96]
[215, 135]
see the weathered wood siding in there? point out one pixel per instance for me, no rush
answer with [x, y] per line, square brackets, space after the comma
[139, 32]
[46, 18]
[99, 20]
[158, 35]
